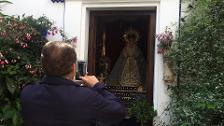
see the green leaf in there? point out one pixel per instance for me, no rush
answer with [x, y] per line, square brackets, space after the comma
[18, 105]
[199, 52]
[185, 124]
[8, 112]
[12, 70]
[211, 106]
[201, 105]
[1, 90]
[15, 119]
[10, 85]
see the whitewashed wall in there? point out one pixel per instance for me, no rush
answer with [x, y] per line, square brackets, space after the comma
[36, 8]
[73, 17]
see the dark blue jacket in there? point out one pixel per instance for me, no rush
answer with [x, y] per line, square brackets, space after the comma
[60, 102]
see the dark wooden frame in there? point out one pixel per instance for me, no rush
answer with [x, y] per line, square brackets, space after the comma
[150, 44]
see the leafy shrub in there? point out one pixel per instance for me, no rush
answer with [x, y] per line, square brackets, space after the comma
[142, 111]
[21, 40]
[199, 97]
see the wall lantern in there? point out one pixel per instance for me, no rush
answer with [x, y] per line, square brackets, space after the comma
[58, 1]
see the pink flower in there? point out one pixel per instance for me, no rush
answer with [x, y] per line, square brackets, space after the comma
[28, 36]
[161, 50]
[74, 41]
[2, 62]
[24, 45]
[2, 65]
[54, 28]
[165, 41]
[6, 62]
[53, 31]
[28, 66]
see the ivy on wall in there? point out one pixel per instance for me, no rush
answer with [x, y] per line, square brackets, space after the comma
[199, 50]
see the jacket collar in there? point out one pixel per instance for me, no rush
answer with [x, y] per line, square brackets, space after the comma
[53, 80]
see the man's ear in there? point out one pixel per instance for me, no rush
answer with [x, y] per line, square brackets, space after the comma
[74, 68]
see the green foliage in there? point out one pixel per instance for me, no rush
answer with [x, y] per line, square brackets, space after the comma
[142, 111]
[21, 40]
[199, 51]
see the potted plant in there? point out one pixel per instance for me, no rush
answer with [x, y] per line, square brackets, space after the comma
[142, 111]
[165, 41]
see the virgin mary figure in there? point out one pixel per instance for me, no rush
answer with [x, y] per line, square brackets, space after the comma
[130, 67]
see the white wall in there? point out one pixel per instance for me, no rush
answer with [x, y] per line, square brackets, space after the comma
[74, 19]
[36, 8]
[168, 16]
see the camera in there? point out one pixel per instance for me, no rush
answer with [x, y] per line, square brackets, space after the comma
[82, 68]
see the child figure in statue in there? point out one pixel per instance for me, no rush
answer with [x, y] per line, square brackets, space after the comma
[130, 67]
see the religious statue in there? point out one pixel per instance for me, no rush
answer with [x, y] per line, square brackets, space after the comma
[130, 67]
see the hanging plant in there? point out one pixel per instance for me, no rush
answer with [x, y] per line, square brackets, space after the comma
[165, 41]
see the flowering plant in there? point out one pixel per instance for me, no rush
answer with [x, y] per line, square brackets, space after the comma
[54, 30]
[165, 41]
[21, 40]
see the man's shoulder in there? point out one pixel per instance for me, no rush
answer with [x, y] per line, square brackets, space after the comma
[32, 87]
[87, 90]
[29, 87]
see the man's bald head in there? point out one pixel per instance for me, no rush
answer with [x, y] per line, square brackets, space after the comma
[57, 58]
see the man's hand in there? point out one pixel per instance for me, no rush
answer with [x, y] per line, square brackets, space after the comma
[90, 81]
